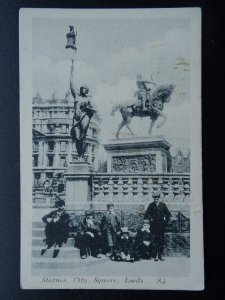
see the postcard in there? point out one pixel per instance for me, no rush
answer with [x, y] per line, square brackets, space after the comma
[110, 133]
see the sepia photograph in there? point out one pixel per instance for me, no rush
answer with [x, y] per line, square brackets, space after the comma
[110, 132]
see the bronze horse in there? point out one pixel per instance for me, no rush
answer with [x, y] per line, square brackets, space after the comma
[154, 107]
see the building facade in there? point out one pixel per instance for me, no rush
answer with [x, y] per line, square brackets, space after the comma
[180, 161]
[53, 148]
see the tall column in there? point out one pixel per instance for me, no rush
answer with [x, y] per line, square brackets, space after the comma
[40, 152]
[69, 156]
[57, 158]
[45, 158]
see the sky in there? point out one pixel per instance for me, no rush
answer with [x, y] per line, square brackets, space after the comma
[111, 52]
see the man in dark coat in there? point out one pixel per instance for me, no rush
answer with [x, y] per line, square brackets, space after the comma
[57, 228]
[89, 237]
[143, 247]
[158, 215]
[110, 228]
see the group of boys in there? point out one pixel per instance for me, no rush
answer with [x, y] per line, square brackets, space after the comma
[108, 237]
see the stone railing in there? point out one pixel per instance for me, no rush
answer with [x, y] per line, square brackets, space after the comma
[44, 202]
[139, 187]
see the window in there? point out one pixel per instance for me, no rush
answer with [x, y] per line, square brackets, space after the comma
[62, 161]
[36, 179]
[50, 128]
[50, 160]
[63, 128]
[74, 149]
[51, 146]
[179, 159]
[74, 159]
[63, 146]
[35, 146]
[35, 161]
[94, 132]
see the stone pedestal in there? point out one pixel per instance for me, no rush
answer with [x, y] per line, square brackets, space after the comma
[77, 185]
[138, 155]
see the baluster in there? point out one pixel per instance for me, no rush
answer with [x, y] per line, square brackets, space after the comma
[186, 192]
[134, 189]
[106, 189]
[165, 191]
[140, 189]
[115, 191]
[146, 189]
[120, 189]
[110, 184]
[125, 189]
[130, 189]
[96, 191]
[175, 189]
[101, 190]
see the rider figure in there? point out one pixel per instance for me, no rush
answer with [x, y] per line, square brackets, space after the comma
[143, 92]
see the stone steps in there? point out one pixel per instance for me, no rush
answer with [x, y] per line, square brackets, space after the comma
[38, 232]
[37, 225]
[39, 263]
[67, 253]
[38, 241]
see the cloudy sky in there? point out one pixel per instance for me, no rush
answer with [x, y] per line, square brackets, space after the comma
[111, 52]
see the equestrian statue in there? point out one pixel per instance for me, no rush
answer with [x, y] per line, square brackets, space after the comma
[144, 104]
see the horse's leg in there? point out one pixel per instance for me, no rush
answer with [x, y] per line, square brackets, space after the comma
[161, 114]
[151, 125]
[123, 123]
[128, 124]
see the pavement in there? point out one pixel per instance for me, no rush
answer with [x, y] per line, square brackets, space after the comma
[172, 266]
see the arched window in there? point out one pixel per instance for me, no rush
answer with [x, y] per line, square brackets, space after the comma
[179, 159]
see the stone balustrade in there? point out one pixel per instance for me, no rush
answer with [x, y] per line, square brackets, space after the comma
[127, 187]
[44, 202]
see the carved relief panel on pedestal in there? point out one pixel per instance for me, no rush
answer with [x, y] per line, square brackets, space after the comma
[134, 164]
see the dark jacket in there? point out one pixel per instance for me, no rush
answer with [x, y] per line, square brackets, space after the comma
[63, 219]
[125, 245]
[110, 221]
[158, 216]
[85, 227]
[56, 232]
[143, 236]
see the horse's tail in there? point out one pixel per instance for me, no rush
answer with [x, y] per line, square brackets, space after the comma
[115, 108]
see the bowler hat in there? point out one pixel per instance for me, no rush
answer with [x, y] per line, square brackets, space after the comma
[110, 205]
[60, 202]
[89, 213]
[156, 194]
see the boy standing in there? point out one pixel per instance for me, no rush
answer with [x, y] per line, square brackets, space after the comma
[110, 228]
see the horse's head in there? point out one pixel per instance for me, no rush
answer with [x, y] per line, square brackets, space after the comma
[163, 92]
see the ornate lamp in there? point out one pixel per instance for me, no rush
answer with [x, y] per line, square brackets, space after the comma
[71, 38]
